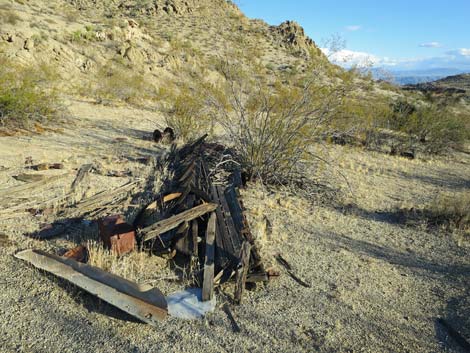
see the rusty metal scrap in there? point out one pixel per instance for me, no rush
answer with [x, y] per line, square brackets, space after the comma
[117, 235]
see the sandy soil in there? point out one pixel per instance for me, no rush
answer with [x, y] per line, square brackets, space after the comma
[377, 284]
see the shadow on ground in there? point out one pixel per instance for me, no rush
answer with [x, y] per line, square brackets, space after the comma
[410, 260]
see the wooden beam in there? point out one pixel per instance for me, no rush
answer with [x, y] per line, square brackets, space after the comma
[242, 272]
[147, 305]
[173, 222]
[30, 186]
[81, 174]
[208, 283]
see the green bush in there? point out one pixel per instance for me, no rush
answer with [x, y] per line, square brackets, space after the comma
[82, 36]
[187, 111]
[120, 83]
[26, 94]
[433, 128]
[451, 211]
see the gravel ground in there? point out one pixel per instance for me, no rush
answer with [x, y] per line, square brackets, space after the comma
[377, 285]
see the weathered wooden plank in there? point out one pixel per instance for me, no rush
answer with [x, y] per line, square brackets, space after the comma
[174, 221]
[147, 305]
[242, 272]
[29, 178]
[208, 282]
[194, 236]
[235, 209]
[229, 240]
[81, 174]
[30, 186]
[170, 197]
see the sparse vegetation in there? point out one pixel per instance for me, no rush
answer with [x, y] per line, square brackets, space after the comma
[9, 17]
[27, 94]
[448, 212]
[120, 83]
[431, 127]
[187, 113]
[81, 36]
[274, 125]
[452, 211]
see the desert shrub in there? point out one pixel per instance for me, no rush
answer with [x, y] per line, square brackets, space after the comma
[431, 127]
[437, 128]
[400, 113]
[9, 17]
[273, 125]
[451, 211]
[27, 94]
[359, 122]
[187, 112]
[88, 34]
[122, 84]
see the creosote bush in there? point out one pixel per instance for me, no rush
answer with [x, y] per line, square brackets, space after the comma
[187, 112]
[122, 84]
[27, 94]
[273, 125]
[432, 127]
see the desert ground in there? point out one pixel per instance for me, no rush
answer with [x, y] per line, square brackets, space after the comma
[378, 281]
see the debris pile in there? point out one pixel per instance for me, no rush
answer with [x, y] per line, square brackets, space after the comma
[198, 219]
[200, 216]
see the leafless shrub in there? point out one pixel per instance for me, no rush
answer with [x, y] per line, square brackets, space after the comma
[273, 125]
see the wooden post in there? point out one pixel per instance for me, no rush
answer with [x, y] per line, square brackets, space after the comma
[208, 284]
[242, 271]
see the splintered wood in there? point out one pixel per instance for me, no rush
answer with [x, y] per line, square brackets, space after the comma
[201, 218]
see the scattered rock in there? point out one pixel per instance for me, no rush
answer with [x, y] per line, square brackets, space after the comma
[28, 44]
[134, 55]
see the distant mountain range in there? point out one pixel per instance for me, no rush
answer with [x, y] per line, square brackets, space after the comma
[412, 77]
[457, 86]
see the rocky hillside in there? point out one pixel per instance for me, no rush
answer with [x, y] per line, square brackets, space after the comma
[458, 81]
[452, 85]
[88, 41]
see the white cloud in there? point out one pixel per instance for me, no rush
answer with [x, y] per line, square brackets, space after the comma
[350, 58]
[462, 52]
[458, 59]
[431, 45]
[353, 28]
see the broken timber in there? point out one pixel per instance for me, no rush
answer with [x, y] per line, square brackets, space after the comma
[81, 174]
[175, 221]
[208, 283]
[148, 306]
[242, 272]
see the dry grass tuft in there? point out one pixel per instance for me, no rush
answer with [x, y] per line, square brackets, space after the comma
[453, 212]
[136, 266]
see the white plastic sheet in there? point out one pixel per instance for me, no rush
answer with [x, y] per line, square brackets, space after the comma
[188, 304]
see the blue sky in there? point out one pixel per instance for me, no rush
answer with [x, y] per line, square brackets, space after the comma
[413, 34]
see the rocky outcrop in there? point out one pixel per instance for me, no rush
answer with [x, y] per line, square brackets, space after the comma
[292, 35]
